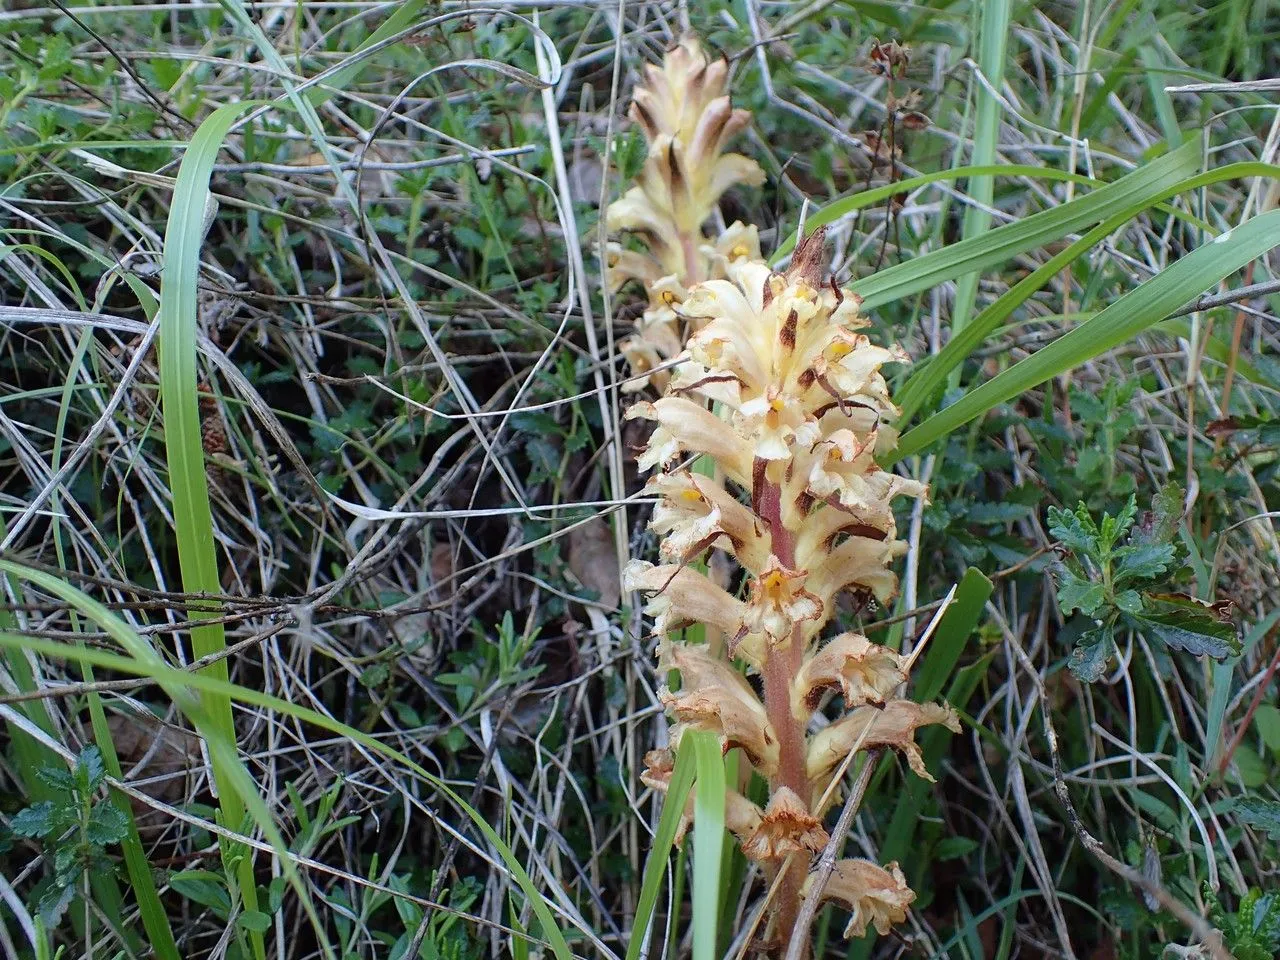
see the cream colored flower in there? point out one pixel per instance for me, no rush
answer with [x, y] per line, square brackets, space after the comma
[713, 696]
[694, 513]
[787, 827]
[687, 121]
[682, 596]
[893, 725]
[845, 475]
[779, 601]
[861, 560]
[687, 427]
[865, 672]
[875, 896]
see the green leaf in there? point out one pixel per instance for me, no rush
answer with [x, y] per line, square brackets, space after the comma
[1267, 720]
[1253, 772]
[1175, 286]
[59, 778]
[254, 920]
[1006, 242]
[53, 902]
[36, 820]
[204, 887]
[1128, 601]
[953, 631]
[1142, 561]
[1184, 623]
[1075, 530]
[89, 767]
[107, 825]
[1160, 523]
[953, 848]
[708, 839]
[1077, 593]
[1088, 661]
[1113, 528]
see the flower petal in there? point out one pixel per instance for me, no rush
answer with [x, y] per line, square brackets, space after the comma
[863, 671]
[876, 896]
[682, 595]
[689, 427]
[714, 696]
[787, 827]
[893, 725]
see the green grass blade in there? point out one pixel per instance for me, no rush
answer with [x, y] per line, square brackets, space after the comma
[708, 840]
[154, 919]
[1004, 243]
[853, 202]
[655, 867]
[188, 479]
[1149, 303]
[32, 755]
[977, 221]
[344, 78]
[178, 684]
[953, 630]
[930, 374]
[1220, 687]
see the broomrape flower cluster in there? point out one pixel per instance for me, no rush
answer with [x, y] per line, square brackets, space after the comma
[686, 119]
[780, 389]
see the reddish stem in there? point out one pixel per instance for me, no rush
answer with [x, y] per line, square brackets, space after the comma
[781, 665]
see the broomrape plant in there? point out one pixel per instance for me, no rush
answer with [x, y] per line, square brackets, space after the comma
[686, 119]
[779, 390]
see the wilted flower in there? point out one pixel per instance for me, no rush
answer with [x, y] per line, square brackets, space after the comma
[863, 671]
[894, 725]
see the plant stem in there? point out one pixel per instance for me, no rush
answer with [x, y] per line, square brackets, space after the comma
[781, 665]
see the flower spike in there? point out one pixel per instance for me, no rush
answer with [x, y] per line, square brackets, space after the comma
[779, 388]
